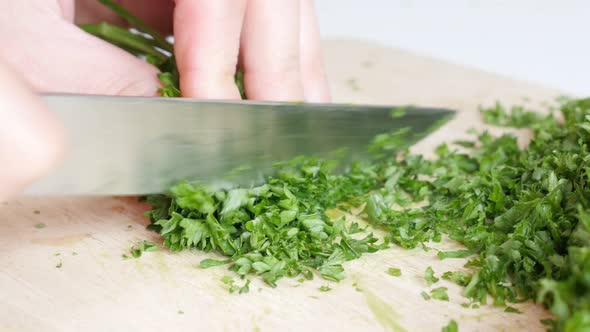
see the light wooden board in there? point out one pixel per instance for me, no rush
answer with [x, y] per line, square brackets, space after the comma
[96, 290]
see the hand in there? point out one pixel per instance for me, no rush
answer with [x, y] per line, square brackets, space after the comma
[278, 44]
[277, 41]
[30, 137]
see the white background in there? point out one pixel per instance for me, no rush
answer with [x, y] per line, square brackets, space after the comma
[541, 41]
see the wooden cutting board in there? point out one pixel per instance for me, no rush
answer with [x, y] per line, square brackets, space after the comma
[69, 276]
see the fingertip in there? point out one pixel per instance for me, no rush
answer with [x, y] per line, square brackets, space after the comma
[31, 138]
[271, 51]
[207, 41]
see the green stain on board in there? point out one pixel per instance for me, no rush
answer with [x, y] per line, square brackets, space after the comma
[160, 262]
[384, 313]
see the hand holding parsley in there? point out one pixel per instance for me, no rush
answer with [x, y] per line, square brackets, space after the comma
[277, 43]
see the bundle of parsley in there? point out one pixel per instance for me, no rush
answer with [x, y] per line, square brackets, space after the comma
[523, 215]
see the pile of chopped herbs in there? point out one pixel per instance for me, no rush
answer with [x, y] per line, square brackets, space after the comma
[523, 215]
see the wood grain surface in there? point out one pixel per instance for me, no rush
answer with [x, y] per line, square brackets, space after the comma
[69, 275]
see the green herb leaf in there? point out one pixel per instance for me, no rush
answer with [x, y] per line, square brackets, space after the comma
[143, 246]
[429, 276]
[451, 327]
[454, 254]
[516, 117]
[392, 271]
[207, 263]
[512, 310]
[439, 293]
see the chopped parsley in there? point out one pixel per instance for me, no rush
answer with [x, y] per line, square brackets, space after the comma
[512, 310]
[458, 277]
[233, 287]
[516, 117]
[523, 215]
[451, 327]
[439, 293]
[429, 276]
[143, 246]
[392, 271]
[454, 254]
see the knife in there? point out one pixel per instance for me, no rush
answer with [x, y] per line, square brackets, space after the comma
[136, 145]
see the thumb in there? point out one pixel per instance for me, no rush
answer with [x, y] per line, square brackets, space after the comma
[31, 140]
[78, 62]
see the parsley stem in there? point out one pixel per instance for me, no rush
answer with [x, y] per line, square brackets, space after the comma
[136, 22]
[125, 39]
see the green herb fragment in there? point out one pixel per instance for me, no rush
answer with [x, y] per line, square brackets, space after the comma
[207, 263]
[57, 254]
[517, 116]
[233, 287]
[245, 288]
[325, 288]
[136, 253]
[451, 327]
[460, 278]
[454, 254]
[512, 310]
[439, 293]
[392, 271]
[74, 253]
[229, 281]
[180, 312]
[40, 225]
[429, 276]
[59, 265]
[353, 84]
[398, 112]
[143, 246]
[425, 295]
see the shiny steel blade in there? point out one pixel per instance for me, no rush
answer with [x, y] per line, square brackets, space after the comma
[133, 146]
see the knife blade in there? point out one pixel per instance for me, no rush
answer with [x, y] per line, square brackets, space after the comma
[136, 145]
